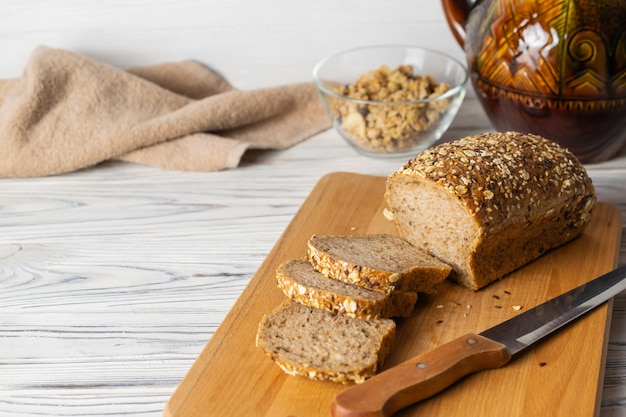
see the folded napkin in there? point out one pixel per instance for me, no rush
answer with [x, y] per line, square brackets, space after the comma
[68, 111]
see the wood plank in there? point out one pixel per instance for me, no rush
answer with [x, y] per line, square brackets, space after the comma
[231, 377]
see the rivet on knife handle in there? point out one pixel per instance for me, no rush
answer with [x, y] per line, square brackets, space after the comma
[420, 377]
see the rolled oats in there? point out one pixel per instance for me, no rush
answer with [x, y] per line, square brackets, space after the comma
[385, 126]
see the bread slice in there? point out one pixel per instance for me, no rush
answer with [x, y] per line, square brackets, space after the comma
[491, 203]
[320, 345]
[302, 283]
[381, 262]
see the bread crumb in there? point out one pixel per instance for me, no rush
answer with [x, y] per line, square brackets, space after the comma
[388, 214]
[440, 306]
[517, 308]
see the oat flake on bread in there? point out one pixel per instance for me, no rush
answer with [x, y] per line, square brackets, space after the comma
[491, 203]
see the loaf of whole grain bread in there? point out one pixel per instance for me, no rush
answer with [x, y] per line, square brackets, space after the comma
[318, 344]
[302, 283]
[382, 262]
[491, 203]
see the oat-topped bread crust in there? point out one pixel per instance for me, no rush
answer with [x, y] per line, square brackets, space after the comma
[302, 283]
[488, 204]
[381, 262]
[317, 344]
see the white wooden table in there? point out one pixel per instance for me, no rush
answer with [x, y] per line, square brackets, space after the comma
[114, 278]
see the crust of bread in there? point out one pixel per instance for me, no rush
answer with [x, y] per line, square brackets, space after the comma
[489, 204]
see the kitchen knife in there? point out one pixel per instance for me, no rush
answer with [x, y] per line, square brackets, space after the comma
[431, 372]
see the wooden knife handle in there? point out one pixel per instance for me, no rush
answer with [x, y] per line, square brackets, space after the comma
[420, 377]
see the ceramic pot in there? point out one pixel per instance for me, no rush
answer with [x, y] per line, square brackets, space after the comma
[556, 68]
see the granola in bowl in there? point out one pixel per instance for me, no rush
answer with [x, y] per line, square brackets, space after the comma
[397, 123]
[397, 108]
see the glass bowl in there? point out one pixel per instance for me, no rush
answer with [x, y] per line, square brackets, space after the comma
[389, 100]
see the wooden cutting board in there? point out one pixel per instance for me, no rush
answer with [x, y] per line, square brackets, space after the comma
[562, 376]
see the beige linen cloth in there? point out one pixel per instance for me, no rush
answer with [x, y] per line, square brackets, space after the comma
[68, 111]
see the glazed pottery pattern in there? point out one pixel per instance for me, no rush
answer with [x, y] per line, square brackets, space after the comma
[555, 68]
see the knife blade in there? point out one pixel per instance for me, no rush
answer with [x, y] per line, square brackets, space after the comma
[431, 372]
